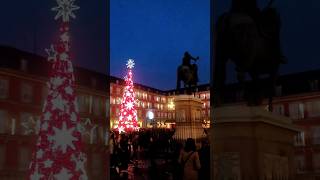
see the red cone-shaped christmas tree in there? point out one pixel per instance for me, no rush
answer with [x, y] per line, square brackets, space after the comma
[58, 150]
[128, 120]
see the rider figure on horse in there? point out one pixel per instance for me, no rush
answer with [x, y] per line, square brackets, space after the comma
[250, 8]
[186, 61]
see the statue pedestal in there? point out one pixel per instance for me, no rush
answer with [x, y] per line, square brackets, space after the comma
[188, 118]
[249, 143]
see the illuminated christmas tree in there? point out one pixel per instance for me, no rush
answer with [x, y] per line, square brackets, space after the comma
[128, 120]
[58, 152]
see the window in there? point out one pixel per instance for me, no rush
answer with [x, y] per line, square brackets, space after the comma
[83, 101]
[23, 65]
[2, 156]
[118, 100]
[315, 134]
[278, 90]
[117, 112]
[316, 162]
[24, 158]
[26, 93]
[27, 123]
[118, 90]
[313, 108]
[314, 85]
[299, 139]
[3, 121]
[44, 94]
[93, 82]
[111, 89]
[300, 163]
[96, 164]
[94, 134]
[278, 109]
[4, 88]
[97, 106]
[296, 110]
[203, 96]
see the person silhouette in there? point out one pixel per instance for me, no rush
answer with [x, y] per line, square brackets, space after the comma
[186, 61]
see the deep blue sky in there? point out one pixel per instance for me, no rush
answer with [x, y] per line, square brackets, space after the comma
[300, 33]
[153, 32]
[156, 33]
[29, 25]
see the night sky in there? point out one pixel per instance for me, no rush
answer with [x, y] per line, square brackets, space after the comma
[29, 25]
[154, 33]
[299, 35]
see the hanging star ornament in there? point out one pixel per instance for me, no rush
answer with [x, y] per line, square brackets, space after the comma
[130, 64]
[65, 10]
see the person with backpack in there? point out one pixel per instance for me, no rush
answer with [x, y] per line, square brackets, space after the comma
[189, 161]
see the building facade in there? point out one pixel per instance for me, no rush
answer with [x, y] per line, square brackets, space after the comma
[23, 90]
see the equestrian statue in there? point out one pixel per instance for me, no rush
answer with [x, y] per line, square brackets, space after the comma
[187, 72]
[250, 38]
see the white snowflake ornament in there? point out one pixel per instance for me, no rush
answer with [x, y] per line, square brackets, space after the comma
[65, 10]
[130, 64]
[63, 138]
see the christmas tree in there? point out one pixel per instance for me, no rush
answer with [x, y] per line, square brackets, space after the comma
[58, 149]
[128, 120]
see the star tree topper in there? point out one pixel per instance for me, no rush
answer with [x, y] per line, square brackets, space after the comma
[65, 10]
[130, 64]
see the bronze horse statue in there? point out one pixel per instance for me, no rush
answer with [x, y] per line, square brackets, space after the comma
[250, 46]
[187, 74]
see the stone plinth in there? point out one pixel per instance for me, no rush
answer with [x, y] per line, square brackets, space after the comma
[249, 143]
[188, 118]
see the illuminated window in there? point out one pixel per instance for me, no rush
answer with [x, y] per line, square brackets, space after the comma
[111, 88]
[26, 93]
[148, 104]
[117, 112]
[161, 106]
[203, 96]
[118, 100]
[4, 88]
[118, 90]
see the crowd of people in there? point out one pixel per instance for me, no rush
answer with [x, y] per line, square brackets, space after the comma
[154, 154]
